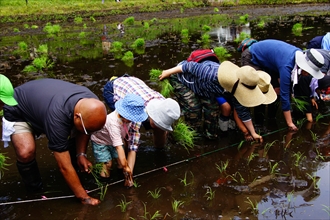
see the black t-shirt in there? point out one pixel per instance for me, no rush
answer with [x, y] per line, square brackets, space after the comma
[48, 106]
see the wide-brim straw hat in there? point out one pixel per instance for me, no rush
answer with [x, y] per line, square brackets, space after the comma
[242, 83]
[311, 61]
[131, 107]
[266, 87]
[163, 112]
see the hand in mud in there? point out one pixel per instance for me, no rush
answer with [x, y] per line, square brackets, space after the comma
[248, 137]
[128, 177]
[293, 128]
[90, 201]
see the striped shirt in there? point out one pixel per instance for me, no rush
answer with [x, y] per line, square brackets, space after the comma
[201, 78]
[132, 85]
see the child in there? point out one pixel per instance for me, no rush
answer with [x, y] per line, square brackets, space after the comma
[107, 143]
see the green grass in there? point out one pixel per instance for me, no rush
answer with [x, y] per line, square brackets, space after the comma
[15, 9]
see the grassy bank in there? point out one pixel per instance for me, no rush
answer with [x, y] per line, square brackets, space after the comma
[33, 10]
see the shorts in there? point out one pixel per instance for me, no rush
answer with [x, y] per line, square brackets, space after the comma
[22, 127]
[104, 153]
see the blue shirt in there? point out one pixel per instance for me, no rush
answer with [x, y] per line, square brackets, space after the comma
[277, 58]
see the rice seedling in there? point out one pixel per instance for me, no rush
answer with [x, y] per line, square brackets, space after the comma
[95, 171]
[92, 19]
[185, 35]
[241, 37]
[223, 166]
[261, 24]
[272, 168]
[42, 50]
[166, 87]
[318, 117]
[253, 206]
[237, 177]
[181, 10]
[326, 209]
[222, 53]
[123, 204]
[243, 19]
[77, 20]
[210, 194]
[301, 122]
[176, 204]
[185, 180]
[82, 34]
[205, 40]
[184, 135]
[147, 215]
[251, 157]
[129, 20]
[267, 147]
[34, 26]
[85, 26]
[3, 164]
[206, 28]
[314, 135]
[136, 184]
[117, 49]
[216, 10]
[154, 20]
[16, 30]
[315, 180]
[297, 29]
[240, 145]
[298, 157]
[128, 56]
[299, 104]
[138, 43]
[26, 26]
[146, 25]
[52, 29]
[156, 193]
[319, 154]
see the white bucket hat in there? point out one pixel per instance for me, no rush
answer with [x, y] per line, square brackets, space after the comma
[242, 83]
[163, 112]
[311, 61]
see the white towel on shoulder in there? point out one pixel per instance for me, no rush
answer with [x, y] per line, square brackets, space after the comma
[7, 130]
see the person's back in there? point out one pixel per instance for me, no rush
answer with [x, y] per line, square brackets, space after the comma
[273, 55]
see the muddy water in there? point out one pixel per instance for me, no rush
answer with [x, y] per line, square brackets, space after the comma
[268, 181]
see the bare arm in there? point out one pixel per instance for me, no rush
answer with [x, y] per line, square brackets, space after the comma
[250, 127]
[81, 147]
[167, 73]
[126, 169]
[70, 175]
[288, 119]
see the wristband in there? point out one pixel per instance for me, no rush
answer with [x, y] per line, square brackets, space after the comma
[81, 154]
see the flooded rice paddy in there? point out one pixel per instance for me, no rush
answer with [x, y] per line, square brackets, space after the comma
[286, 177]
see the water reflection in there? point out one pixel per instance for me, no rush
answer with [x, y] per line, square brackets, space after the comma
[291, 194]
[227, 34]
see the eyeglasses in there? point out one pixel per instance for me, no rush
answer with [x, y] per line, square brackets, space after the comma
[82, 122]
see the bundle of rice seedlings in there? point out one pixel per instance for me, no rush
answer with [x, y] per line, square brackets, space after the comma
[184, 135]
[166, 87]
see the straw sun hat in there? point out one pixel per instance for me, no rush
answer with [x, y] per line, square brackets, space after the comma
[242, 83]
